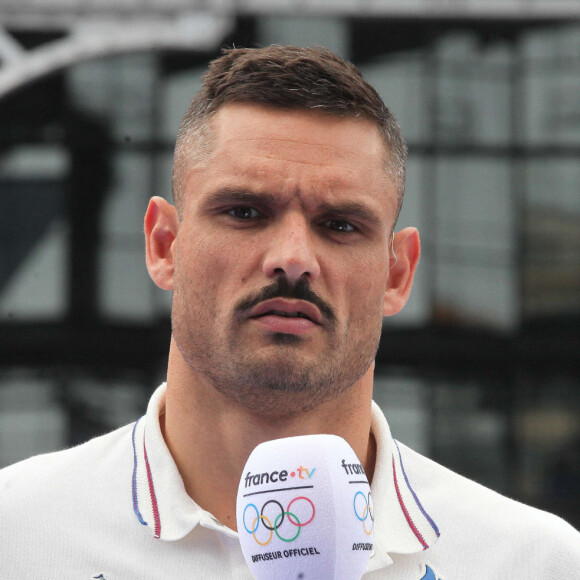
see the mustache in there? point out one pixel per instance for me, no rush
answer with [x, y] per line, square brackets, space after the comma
[282, 288]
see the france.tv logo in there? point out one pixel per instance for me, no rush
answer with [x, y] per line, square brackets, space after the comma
[301, 472]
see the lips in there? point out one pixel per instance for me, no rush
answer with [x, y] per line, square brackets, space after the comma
[284, 314]
[288, 309]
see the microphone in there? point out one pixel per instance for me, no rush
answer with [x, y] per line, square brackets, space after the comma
[305, 511]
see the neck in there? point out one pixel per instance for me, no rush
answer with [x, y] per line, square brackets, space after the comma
[210, 437]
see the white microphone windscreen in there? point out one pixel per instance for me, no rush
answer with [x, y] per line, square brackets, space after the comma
[305, 511]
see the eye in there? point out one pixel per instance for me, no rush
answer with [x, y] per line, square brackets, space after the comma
[341, 226]
[244, 213]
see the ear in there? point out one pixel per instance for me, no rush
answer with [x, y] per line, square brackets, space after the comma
[403, 263]
[161, 227]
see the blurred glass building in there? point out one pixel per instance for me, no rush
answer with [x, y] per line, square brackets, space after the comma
[481, 371]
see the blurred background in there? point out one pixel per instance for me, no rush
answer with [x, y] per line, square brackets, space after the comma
[481, 371]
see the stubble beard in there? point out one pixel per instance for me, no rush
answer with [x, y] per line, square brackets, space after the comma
[278, 380]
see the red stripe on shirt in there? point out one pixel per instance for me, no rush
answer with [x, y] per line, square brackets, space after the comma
[157, 531]
[405, 511]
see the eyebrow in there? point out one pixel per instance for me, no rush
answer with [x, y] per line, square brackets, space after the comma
[231, 195]
[348, 209]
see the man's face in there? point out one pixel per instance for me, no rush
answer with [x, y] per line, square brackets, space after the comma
[282, 256]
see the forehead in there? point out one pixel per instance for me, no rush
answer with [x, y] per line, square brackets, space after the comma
[296, 151]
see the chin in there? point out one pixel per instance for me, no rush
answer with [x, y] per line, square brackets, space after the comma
[283, 338]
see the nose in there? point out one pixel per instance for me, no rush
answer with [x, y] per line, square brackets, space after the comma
[291, 251]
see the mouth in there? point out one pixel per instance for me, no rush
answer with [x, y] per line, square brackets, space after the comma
[283, 314]
[287, 308]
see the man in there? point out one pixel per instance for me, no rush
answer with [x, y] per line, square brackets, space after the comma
[282, 258]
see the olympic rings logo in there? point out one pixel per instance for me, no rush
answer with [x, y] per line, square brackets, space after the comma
[272, 517]
[363, 510]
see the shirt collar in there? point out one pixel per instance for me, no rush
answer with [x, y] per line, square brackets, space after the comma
[161, 503]
[402, 525]
[160, 500]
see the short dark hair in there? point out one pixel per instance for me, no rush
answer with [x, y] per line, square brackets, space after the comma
[291, 78]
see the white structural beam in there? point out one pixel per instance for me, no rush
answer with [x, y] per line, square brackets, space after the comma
[436, 9]
[102, 27]
[55, 13]
[10, 50]
[100, 37]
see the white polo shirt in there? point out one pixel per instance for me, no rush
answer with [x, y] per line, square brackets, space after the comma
[116, 508]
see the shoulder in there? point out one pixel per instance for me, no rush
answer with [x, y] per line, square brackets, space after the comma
[50, 482]
[475, 520]
[82, 458]
[57, 509]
